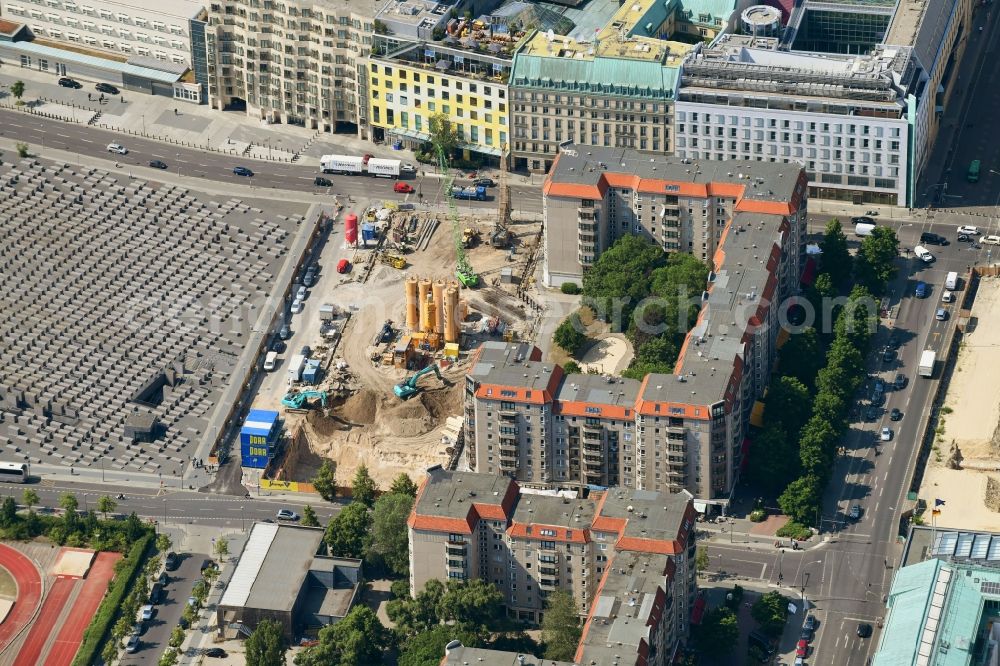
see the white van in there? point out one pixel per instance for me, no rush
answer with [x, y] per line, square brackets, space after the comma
[923, 254]
[951, 281]
[863, 229]
[271, 361]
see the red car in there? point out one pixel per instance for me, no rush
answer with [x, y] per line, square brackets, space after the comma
[402, 188]
[343, 266]
[802, 649]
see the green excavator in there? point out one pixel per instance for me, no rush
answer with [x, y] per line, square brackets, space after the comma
[406, 389]
[298, 400]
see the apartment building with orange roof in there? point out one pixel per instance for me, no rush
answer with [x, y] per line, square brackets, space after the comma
[530, 543]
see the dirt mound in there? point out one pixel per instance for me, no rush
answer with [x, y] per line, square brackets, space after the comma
[360, 407]
[321, 425]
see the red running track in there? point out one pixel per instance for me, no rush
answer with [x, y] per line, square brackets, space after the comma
[44, 624]
[71, 635]
[29, 592]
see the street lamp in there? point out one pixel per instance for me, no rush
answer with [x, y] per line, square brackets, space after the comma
[243, 519]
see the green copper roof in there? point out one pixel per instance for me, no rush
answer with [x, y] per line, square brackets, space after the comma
[599, 76]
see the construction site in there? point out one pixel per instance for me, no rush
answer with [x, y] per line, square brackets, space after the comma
[428, 285]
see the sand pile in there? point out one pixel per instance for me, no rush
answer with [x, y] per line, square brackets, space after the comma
[360, 407]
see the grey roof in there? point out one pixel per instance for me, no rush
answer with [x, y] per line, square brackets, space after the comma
[767, 181]
[462, 656]
[501, 363]
[451, 494]
[557, 511]
[952, 545]
[623, 607]
[653, 515]
[273, 567]
[40, 50]
[334, 602]
[599, 389]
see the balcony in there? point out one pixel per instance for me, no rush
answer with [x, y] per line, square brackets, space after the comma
[508, 465]
[548, 583]
[592, 457]
[508, 415]
[676, 430]
[585, 213]
[594, 447]
[455, 565]
[455, 550]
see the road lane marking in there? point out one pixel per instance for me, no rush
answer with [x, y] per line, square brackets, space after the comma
[763, 568]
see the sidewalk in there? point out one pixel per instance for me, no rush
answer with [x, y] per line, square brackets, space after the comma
[186, 124]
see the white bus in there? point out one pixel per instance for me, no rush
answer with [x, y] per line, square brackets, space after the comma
[13, 472]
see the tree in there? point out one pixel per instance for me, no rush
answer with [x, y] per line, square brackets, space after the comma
[363, 488]
[656, 355]
[390, 537]
[380, 28]
[560, 626]
[403, 485]
[788, 403]
[347, 532]
[221, 547]
[357, 640]
[572, 368]
[163, 542]
[836, 256]
[309, 518]
[8, 512]
[477, 605]
[876, 258]
[69, 504]
[774, 458]
[266, 645]
[106, 505]
[801, 499]
[770, 612]
[30, 499]
[802, 357]
[569, 335]
[427, 647]
[168, 658]
[325, 481]
[419, 614]
[176, 637]
[22, 149]
[701, 559]
[717, 634]
[109, 653]
[444, 134]
[17, 90]
[619, 279]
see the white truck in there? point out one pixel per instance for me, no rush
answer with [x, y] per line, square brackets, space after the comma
[926, 367]
[295, 367]
[346, 164]
[951, 281]
[383, 168]
[863, 229]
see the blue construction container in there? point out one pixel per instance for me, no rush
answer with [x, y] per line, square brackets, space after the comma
[367, 232]
[259, 438]
[311, 373]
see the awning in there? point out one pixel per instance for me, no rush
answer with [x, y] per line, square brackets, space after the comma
[698, 610]
[809, 272]
[700, 506]
[744, 450]
[757, 415]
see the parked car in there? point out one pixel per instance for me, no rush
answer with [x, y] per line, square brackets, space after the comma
[895, 414]
[156, 594]
[343, 266]
[147, 612]
[301, 293]
[306, 351]
[941, 314]
[287, 514]
[485, 182]
[297, 306]
[947, 296]
[132, 644]
[810, 622]
[871, 414]
[991, 240]
[806, 635]
[215, 652]
[879, 385]
[163, 579]
[107, 88]
[320, 181]
[802, 649]
[285, 332]
[243, 171]
[899, 382]
[888, 355]
[171, 561]
[309, 279]
[921, 291]
[408, 168]
[968, 230]
[402, 188]
[157, 164]
[278, 346]
[964, 238]
[864, 630]
[67, 82]
[886, 434]
[117, 148]
[208, 564]
[855, 512]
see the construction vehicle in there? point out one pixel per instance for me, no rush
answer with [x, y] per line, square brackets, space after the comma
[463, 270]
[385, 334]
[408, 388]
[393, 260]
[500, 235]
[298, 400]
[475, 192]
[470, 237]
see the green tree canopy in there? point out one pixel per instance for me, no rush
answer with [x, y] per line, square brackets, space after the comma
[621, 275]
[363, 487]
[560, 626]
[403, 485]
[572, 368]
[266, 645]
[801, 499]
[30, 499]
[347, 532]
[17, 90]
[427, 647]
[106, 505]
[656, 355]
[717, 634]
[444, 134]
[802, 357]
[357, 640]
[390, 537]
[8, 512]
[788, 402]
[836, 256]
[774, 458]
[770, 611]
[309, 518]
[325, 481]
[474, 606]
[569, 335]
[419, 614]
[876, 259]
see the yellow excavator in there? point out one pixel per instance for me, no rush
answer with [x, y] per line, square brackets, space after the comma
[393, 260]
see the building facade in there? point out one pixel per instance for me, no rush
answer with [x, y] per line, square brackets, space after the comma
[296, 62]
[625, 556]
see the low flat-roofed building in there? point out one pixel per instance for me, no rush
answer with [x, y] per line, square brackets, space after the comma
[284, 575]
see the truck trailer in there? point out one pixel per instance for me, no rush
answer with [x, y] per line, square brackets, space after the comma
[383, 168]
[926, 367]
[295, 367]
[345, 164]
[477, 192]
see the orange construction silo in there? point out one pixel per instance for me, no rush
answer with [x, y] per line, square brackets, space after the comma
[412, 304]
[423, 292]
[438, 291]
[451, 315]
[428, 320]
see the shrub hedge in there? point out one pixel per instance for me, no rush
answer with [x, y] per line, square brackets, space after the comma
[104, 619]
